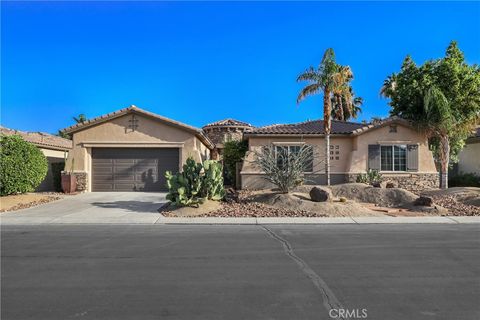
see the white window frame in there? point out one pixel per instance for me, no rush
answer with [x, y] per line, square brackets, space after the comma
[393, 157]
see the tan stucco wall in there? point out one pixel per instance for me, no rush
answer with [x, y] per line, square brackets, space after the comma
[53, 153]
[149, 133]
[353, 153]
[404, 135]
[344, 143]
[469, 159]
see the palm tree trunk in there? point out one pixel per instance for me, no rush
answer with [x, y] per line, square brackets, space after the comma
[444, 161]
[341, 112]
[327, 124]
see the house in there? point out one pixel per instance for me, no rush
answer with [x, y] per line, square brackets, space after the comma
[391, 146]
[468, 159]
[53, 147]
[225, 130]
[131, 149]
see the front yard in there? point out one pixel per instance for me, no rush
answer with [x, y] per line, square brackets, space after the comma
[347, 200]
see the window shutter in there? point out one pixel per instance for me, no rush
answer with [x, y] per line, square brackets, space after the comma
[412, 157]
[374, 157]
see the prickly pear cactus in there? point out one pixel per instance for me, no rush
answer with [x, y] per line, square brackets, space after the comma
[195, 183]
[213, 180]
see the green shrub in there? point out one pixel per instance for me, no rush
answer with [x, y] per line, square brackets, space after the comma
[195, 183]
[464, 180]
[371, 177]
[233, 152]
[57, 168]
[22, 165]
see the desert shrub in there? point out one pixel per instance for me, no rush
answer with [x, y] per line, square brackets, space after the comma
[283, 167]
[57, 168]
[22, 165]
[195, 183]
[233, 152]
[464, 180]
[371, 177]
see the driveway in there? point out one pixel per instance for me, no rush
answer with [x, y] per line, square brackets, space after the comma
[394, 272]
[93, 207]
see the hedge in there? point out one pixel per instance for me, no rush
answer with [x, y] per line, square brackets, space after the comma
[22, 165]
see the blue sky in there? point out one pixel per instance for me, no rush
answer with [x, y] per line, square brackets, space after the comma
[201, 62]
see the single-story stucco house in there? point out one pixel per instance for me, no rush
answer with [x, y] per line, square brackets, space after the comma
[468, 158]
[130, 150]
[391, 146]
[53, 147]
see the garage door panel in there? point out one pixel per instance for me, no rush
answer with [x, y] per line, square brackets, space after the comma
[132, 169]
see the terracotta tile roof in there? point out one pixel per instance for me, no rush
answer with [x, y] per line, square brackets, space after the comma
[228, 123]
[134, 109]
[315, 127]
[308, 127]
[40, 139]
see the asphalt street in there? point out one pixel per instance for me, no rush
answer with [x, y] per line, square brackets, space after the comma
[240, 272]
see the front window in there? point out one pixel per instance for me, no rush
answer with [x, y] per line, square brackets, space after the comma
[393, 158]
[283, 153]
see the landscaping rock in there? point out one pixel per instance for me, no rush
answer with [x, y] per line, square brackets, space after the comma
[390, 185]
[376, 184]
[393, 197]
[424, 201]
[319, 194]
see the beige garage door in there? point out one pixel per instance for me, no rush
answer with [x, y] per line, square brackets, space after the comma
[132, 169]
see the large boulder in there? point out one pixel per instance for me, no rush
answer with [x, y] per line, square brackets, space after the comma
[423, 201]
[319, 194]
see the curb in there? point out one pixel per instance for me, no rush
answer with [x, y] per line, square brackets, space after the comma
[338, 220]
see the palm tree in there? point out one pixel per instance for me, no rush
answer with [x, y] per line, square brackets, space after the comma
[437, 122]
[388, 86]
[80, 119]
[341, 91]
[347, 110]
[322, 81]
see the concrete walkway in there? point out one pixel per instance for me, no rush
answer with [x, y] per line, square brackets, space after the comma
[142, 208]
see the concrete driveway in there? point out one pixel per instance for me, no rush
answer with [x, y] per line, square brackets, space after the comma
[94, 207]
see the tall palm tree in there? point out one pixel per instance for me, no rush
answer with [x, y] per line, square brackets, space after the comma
[80, 119]
[350, 106]
[388, 86]
[342, 96]
[322, 81]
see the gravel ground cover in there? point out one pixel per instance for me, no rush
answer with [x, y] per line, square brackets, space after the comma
[26, 200]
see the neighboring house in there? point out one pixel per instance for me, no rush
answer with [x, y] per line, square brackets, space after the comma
[222, 131]
[53, 147]
[391, 146]
[130, 150]
[469, 157]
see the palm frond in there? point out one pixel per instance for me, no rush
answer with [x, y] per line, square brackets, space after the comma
[309, 90]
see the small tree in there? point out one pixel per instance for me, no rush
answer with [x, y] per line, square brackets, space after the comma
[284, 168]
[233, 152]
[441, 97]
[22, 165]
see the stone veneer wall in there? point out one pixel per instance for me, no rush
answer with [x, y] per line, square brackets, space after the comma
[223, 134]
[414, 182]
[81, 180]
